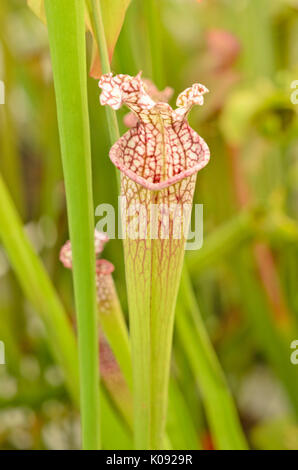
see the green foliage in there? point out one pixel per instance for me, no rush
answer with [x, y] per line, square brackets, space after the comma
[231, 378]
[65, 22]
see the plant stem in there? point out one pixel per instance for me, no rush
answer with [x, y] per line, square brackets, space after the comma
[66, 28]
[114, 327]
[98, 27]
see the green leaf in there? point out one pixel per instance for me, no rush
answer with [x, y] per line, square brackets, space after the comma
[39, 290]
[218, 402]
[113, 14]
[37, 6]
[66, 27]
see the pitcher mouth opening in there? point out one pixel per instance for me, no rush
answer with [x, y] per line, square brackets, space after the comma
[116, 156]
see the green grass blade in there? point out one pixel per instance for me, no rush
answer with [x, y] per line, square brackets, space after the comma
[272, 341]
[224, 239]
[180, 425]
[38, 289]
[154, 31]
[221, 412]
[66, 28]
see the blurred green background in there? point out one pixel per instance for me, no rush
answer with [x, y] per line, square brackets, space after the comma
[245, 276]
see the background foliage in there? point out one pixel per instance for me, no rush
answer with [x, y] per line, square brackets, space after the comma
[245, 276]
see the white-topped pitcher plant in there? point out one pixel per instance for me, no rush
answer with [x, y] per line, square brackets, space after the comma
[159, 158]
